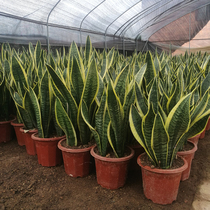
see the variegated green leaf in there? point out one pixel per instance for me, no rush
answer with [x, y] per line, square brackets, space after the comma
[159, 142]
[36, 107]
[65, 123]
[116, 115]
[150, 72]
[45, 103]
[178, 121]
[77, 81]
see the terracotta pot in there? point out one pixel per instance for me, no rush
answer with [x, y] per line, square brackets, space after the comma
[6, 131]
[202, 135]
[18, 133]
[195, 139]
[47, 150]
[161, 185]
[188, 156]
[111, 172]
[208, 125]
[138, 150]
[29, 142]
[77, 162]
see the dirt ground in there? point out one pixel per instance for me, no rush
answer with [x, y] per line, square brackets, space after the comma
[24, 184]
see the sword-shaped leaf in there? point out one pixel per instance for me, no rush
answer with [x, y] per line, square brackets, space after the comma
[88, 50]
[150, 72]
[120, 84]
[159, 142]
[65, 93]
[205, 84]
[178, 121]
[65, 123]
[45, 103]
[19, 75]
[77, 80]
[140, 101]
[36, 106]
[153, 95]
[116, 115]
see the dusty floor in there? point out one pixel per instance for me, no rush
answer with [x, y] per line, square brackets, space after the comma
[24, 184]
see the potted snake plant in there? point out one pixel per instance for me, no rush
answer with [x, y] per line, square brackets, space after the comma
[110, 132]
[78, 85]
[162, 135]
[5, 107]
[49, 134]
[21, 80]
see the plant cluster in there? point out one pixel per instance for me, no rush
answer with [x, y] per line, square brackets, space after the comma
[159, 100]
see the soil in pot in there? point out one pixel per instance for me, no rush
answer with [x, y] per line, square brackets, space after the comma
[188, 154]
[6, 131]
[18, 133]
[77, 161]
[29, 142]
[47, 150]
[161, 185]
[111, 172]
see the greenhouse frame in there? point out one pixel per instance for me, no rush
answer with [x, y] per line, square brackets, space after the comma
[126, 25]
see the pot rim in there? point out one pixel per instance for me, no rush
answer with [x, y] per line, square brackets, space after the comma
[35, 138]
[17, 124]
[64, 149]
[122, 159]
[8, 121]
[195, 137]
[188, 151]
[162, 171]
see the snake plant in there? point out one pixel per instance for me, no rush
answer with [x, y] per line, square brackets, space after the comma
[161, 134]
[80, 86]
[111, 118]
[5, 98]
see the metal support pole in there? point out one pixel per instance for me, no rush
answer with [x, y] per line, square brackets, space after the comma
[189, 31]
[144, 46]
[123, 46]
[48, 41]
[137, 46]
[80, 28]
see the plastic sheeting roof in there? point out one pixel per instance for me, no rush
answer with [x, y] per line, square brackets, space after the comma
[67, 20]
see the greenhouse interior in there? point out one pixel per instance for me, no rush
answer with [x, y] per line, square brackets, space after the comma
[105, 104]
[126, 25]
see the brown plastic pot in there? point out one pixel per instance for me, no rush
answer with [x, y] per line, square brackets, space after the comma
[29, 142]
[18, 133]
[161, 185]
[111, 172]
[77, 162]
[6, 131]
[208, 125]
[47, 150]
[138, 150]
[202, 135]
[188, 156]
[195, 139]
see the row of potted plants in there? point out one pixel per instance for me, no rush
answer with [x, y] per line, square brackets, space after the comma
[86, 100]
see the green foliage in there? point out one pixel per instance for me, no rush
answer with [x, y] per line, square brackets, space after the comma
[158, 99]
